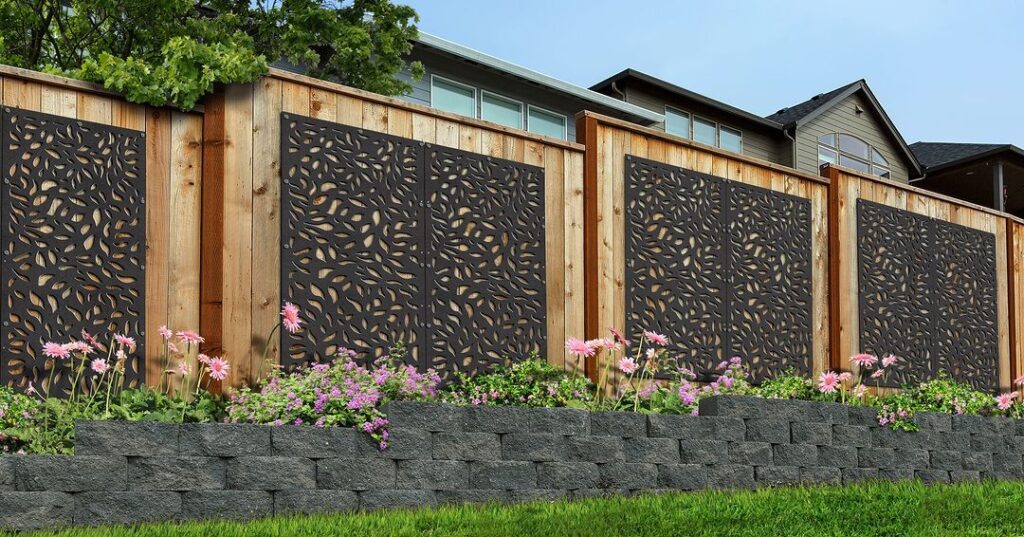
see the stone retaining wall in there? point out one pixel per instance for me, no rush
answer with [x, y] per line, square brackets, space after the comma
[133, 472]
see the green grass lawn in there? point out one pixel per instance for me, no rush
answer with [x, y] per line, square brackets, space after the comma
[869, 509]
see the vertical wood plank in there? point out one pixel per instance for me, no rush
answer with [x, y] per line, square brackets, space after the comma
[375, 116]
[322, 103]
[1002, 302]
[554, 252]
[447, 133]
[211, 283]
[59, 102]
[22, 94]
[469, 139]
[128, 115]
[295, 98]
[399, 123]
[158, 191]
[574, 253]
[424, 128]
[95, 108]
[350, 111]
[821, 359]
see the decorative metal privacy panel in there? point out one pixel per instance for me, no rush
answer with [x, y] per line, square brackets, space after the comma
[74, 239]
[927, 295]
[388, 240]
[721, 267]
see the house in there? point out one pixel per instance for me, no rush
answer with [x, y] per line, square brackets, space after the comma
[991, 175]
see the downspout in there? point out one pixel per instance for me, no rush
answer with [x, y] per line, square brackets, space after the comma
[792, 140]
[616, 89]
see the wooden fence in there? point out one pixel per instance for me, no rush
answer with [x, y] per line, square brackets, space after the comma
[171, 199]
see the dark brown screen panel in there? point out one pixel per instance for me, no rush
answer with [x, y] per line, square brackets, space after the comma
[74, 239]
[927, 295]
[722, 268]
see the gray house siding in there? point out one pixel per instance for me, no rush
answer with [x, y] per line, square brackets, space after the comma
[844, 118]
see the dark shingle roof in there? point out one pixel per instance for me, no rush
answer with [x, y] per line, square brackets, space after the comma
[795, 113]
[933, 154]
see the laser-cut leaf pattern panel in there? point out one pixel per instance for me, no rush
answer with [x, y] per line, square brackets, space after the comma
[352, 240]
[486, 294]
[675, 260]
[74, 239]
[770, 280]
[928, 295]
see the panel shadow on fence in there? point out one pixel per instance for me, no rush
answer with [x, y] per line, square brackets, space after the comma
[101, 222]
[497, 242]
[920, 276]
[725, 254]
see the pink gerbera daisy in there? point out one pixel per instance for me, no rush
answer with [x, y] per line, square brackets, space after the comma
[579, 347]
[99, 366]
[125, 341]
[828, 382]
[860, 391]
[627, 366]
[864, 360]
[889, 360]
[845, 376]
[618, 337]
[290, 317]
[218, 368]
[1004, 401]
[655, 338]
[878, 373]
[165, 332]
[190, 337]
[203, 359]
[56, 350]
[1019, 381]
[184, 369]
[80, 347]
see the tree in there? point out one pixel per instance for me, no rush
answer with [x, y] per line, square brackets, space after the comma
[175, 51]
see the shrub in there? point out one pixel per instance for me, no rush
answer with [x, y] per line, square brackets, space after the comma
[788, 386]
[18, 415]
[531, 383]
[338, 394]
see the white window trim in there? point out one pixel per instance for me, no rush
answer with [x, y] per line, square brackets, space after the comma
[565, 119]
[476, 97]
[689, 121]
[522, 107]
[869, 162]
[719, 131]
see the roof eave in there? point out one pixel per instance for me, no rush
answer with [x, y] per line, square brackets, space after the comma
[1007, 148]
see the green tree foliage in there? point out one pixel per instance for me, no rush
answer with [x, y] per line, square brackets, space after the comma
[174, 51]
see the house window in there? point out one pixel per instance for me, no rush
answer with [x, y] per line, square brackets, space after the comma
[852, 152]
[704, 131]
[730, 139]
[451, 96]
[546, 123]
[501, 110]
[677, 122]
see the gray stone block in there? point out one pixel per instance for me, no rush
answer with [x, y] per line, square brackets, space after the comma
[820, 475]
[271, 473]
[703, 451]
[356, 474]
[224, 440]
[502, 475]
[373, 500]
[980, 461]
[768, 430]
[851, 435]
[314, 501]
[562, 421]
[863, 416]
[1006, 462]
[795, 455]
[955, 441]
[403, 444]
[432, 475]
[792, 410]
[885, 437]
[23, 511]
[837, 456]
[595, 449]
[434, 417]
[533, 447]
[467, 446]
[755, 453]
[684, 427]
[496, 419]
[1005, 475]
[176, 473]
[226, 505]
[875, 457]
[725, 428]
[597, 493]
[835, 413]
[568, 475]
[61, 473]
[653, 450]
[624, 424]
[734, 406]
[774, 476]
[131, 439]
[934, 421]
[947, 460]
[856, 475]
[964, 476]
[536, 495]
[930, 477]
[682, 476]
[472, 496]
[991, 442]
[975, 424]
[731, 476]
[896, 474]
[912, 459]
[313, 443]
[628, 475]
[108, 508]
[7, 473]
[817, 434]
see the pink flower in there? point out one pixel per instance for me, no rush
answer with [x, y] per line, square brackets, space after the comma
[55, 350]
[889, 360]
[218, 368]
[165, 332]
[125, 341]
[828, 382]
[79, 347]
[290, 317]
[618, 337]
[655, 338]
[864, 360]
[203, 359]
[172, 348]
[1004, 401]
[878, 373]
[722, 365]
[627, 366]
[579, 347]
[183, 368]
[1019, 381]
[603, 343]
[99, 366]
[860, 391]
[91, 340]
[190, 337]
[845, 376]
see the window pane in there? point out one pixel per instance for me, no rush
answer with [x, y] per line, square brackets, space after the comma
[547, 124]
[452, 97]
[731, 139]
[704, 131]
[828, 139]
[853, 145]
[853, 163]
[501, 110]
[677, 123]
[878, 158]
[827, 156]
[881, 172]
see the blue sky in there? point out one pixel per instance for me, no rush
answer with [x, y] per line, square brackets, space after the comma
[944, 71]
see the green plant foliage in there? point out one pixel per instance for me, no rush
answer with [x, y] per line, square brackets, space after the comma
[175, 51]
[530, 383]
[788, 386]
[18, 414]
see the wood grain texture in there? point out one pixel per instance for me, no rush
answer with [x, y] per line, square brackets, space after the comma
[158, 235]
